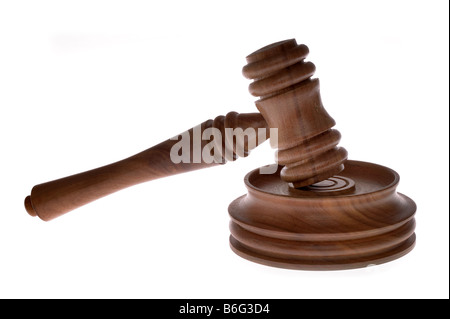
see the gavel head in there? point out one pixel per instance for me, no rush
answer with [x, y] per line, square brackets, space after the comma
[289, 100]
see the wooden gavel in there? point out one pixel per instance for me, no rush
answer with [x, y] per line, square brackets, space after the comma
[289, 101]
[307, 212]
[52, 199]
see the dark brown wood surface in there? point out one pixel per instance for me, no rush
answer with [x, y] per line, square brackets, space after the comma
[320, 211]
[290, 101]
[52, 199]
[351, 220]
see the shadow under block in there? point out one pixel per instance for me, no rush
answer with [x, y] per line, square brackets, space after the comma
[351, 220]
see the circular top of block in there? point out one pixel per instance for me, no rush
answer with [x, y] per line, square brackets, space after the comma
[349, 220]
[361, 200]
[358, 179]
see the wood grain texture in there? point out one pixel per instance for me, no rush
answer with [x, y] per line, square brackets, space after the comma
[319, 211]
[52, 199]
[290, 101]
[351, 220]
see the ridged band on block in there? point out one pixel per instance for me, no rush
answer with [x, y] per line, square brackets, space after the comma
[358, 224]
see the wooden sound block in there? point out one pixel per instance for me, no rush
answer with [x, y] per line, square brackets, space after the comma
[351, 220]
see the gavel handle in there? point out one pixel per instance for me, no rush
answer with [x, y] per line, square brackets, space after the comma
[55, 198]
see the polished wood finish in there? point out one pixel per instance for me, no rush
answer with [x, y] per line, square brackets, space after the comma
[52, 199]
[348, 221]
[320, 211]
[290, 101]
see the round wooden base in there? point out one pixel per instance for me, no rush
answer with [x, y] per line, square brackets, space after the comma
[352, 220]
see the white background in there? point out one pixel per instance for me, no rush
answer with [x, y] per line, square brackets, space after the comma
[86, 83]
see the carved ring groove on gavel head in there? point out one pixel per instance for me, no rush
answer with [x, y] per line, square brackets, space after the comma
[290, 101]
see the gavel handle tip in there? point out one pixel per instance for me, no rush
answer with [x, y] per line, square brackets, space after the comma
[29, 206]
